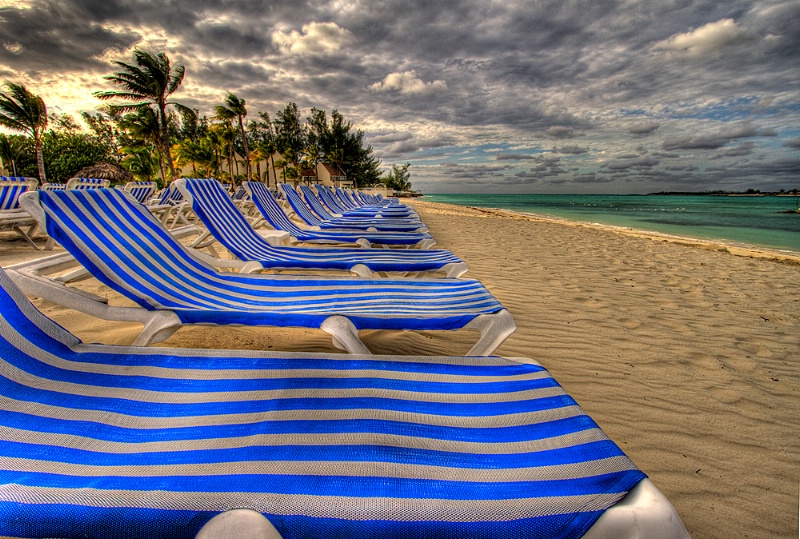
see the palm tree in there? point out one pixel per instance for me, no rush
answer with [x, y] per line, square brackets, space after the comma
[10, 151]
[149, 82]
[141, 163]
[23, 111]
[234, 109]
[144, 130]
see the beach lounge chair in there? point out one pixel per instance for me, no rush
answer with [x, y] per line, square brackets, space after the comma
[12, 217]
[225, 222]
[54, 186]
[277, 218]
[113, 441]
[87, 183]
[170, 208]
[129, 250]
[11, 187]
[312, 218]
[328, 197]
[141, 191]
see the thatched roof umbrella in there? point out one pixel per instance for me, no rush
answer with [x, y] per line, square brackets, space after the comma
[106, 171]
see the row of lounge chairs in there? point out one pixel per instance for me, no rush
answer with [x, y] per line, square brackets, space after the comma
[135, 441]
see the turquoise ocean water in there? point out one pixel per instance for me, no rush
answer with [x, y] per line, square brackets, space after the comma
[739, 220]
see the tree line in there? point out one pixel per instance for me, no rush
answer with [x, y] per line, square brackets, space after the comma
[142, 129]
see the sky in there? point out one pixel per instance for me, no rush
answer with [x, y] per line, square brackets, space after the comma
[479, 96]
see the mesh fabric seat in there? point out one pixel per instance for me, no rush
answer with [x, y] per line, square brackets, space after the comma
[211, 203]
[110, 441]
[277, 218]
[125, 247]
[327, 222]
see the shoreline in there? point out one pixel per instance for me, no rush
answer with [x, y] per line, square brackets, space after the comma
[783, 256]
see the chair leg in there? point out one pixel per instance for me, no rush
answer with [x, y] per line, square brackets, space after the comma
[456, 269]
[362, 271]
[495, 328]
[345, 335]
[161, 325]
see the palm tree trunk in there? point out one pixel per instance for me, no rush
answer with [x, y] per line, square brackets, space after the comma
[162, 107]
[40, 161]
[246, 149]
[274, 174]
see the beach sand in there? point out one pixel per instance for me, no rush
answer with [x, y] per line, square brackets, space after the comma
[685, 353]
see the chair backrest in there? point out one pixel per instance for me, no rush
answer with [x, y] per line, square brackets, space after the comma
[297, 204]
[11, 187]
[269, 208]
[87, 183]
[240, 194]
[53, 186]
[170, 196]
[315, 203]
[212, 204]
[141, 191]
[346, 198]
[120, 242]
[327, 197]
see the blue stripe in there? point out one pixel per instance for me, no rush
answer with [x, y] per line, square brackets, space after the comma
[132, 523]
[113, 433]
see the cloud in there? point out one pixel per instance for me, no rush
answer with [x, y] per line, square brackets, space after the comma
[570, 150]
[640, 162]
[716, 140]
[316, 38]
[559, 131]
[792, 143]
[513, 157]
[644, 128]
[407, 82]
[706, 40]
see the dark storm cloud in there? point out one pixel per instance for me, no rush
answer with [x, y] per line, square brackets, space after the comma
[60, 35]
[641, 86]
[792, 143]
[716, 140]
[644, 128]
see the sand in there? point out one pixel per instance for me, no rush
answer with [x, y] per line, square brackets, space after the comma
[685, 352]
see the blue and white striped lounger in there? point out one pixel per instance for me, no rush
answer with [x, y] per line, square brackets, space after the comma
[128, 249]
[12, 216]
[277, 218]
[87, 183]
[141, 191]
[328, 197]
[127, 442]
[11, 187]
[304, 212]
[211, 203]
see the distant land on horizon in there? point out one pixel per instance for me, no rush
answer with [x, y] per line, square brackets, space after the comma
[749, 193]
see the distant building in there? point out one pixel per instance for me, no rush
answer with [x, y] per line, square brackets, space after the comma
[325, 174]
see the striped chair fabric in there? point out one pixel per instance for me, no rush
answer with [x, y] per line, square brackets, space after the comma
[11, 187]
[55, 186]
[274, 214]
[87, 183]
[102, 441]
[227, 224]
[141, 191]
[329, 198]
[386, 225]
[345, 195]
[120, 242]
[169, 196]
